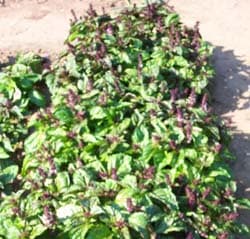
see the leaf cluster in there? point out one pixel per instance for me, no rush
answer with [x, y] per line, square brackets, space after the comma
[127, 147]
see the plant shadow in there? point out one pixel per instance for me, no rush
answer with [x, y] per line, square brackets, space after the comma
[232, 81]
[10, 60]
[231, 98]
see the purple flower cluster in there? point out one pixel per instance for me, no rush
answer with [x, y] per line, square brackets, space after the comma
[48, 217]
[113, 174]
[204, 104]
[191, 196]
[223, 235]
[188, 132]
[196, 37]
[91, 12]
[148, 173]
[173, 93]
[131, 207]
[53, 170]
[190, 236]
[179, 116]
[206, 193]
[42, 173]
[72, 99]
[192, 98]
[230, 216]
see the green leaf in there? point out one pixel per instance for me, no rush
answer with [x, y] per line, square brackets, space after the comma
[3, 154]
[11, 230]
[89, 138]
[67, 210]
[123, 195]
[139, 222]
[7, 145]
[27, 81]
[220, 171]
[97, 112]
[79, 232]
[125, 57]
[123, 125]
[167, 225]
[71, 66]
[166, 196]
[241, 229]
[62, 181]
[147, 153]
[37, 98]
[37, 231]
[29, 162]
[81, 177]
[129, 181]
[172, 18]
[190, 153]
[99, 231]
[243, 203]
[64, 114]
[125, 233]
[34, 141]
[9, 174]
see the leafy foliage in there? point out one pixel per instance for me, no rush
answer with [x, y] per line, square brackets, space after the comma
[128, 147]
[20, 94]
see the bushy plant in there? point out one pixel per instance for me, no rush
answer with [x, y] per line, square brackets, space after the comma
[20, 95]
[128, 147]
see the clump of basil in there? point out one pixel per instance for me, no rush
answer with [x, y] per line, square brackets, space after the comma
[128, 147]
[21, 93]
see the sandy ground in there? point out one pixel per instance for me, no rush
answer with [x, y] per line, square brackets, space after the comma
[43, 24]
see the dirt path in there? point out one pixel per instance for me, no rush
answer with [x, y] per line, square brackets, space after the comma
[43, 24]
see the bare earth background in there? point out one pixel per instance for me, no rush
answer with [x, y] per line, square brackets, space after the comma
[44, 24]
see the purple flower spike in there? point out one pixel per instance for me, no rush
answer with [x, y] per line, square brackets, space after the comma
[53, 170]
[223, 235]
[190, 236]
[48, 217]
[204, 105]
[130, 206]
[173, 94]
[90, 85]
[102, 175]
[196, 37]
[120, 224]
[217, 147]
[179, 116]
[91, 12]
[168, 180]
[189, 132]
[231, 216]
[149, 173]
[191, 196]
[71, 134]
[228, 193]
[16, 211]
[140, 65]
[42, 173]
[110, 30]
[74, 15]
[206, 193]
[72, 98]
[172, 145]
[114, 174]
[159, 24]
[192, 98]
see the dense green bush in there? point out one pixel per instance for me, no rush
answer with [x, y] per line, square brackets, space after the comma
[20, 95]
[128, 147]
